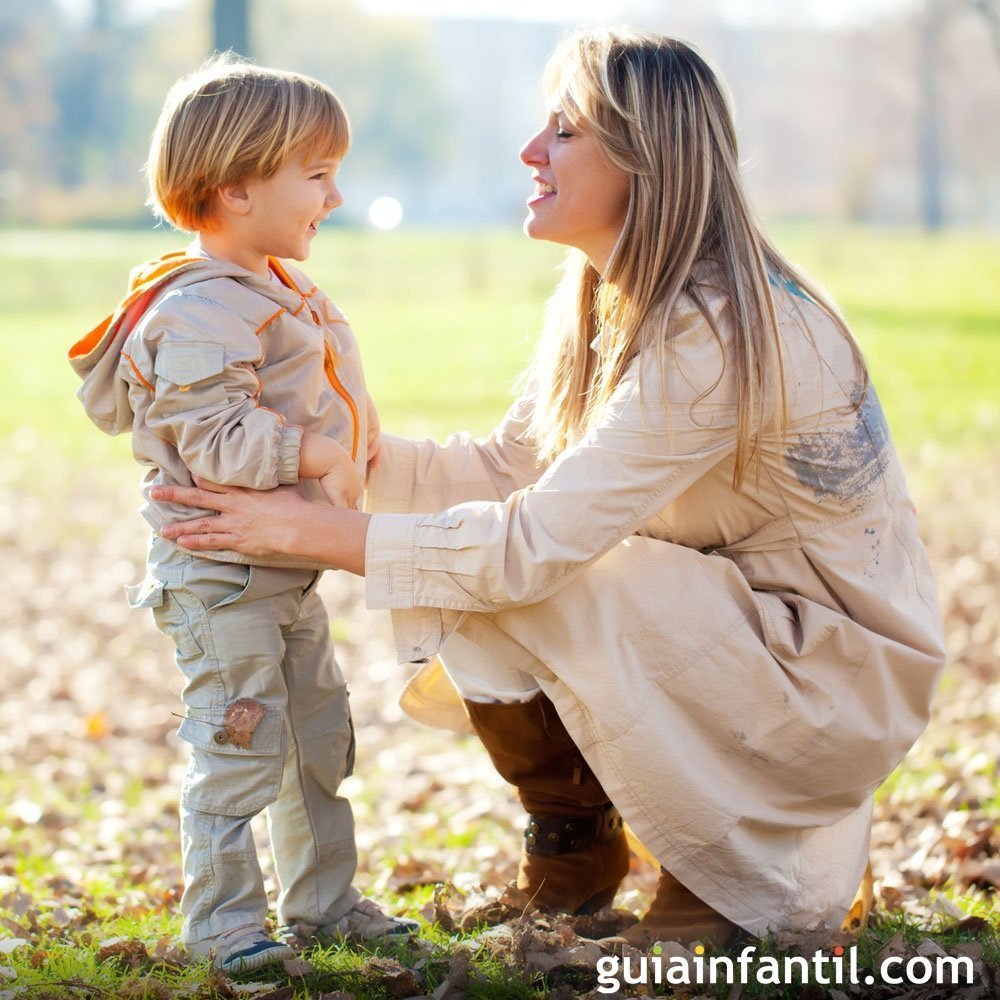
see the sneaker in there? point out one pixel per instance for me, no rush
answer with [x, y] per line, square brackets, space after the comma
[365, 921]
[246, 948]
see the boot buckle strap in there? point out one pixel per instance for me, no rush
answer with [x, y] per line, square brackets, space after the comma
[567, 834]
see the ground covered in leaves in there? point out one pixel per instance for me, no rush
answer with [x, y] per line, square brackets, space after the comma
[90, 767]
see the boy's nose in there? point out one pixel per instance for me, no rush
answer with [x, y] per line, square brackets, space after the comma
[334, 198]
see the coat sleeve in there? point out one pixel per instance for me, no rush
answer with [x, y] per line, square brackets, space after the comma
[201, 368]
[425, 476]
[661, 432]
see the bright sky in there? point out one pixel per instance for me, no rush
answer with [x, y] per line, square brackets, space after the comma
[825, 13]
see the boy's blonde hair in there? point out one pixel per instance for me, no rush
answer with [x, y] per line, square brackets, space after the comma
[230, 121]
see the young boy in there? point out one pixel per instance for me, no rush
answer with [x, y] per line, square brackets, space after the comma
[226, 365]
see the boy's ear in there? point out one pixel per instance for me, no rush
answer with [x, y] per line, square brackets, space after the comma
[234, 198]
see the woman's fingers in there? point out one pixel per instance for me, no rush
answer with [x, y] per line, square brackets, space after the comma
[207, 540]
[200, 533]
[209, 496]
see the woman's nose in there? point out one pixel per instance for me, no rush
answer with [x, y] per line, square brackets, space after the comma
[533, 151]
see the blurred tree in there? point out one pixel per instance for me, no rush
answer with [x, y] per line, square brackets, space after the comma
[929, 120]
[828, 118]
[990, 9]
[937, 16]
[27, 104]
[231, 26]
[89, 73]
[384, 71]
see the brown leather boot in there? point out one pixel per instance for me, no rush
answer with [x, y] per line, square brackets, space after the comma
[575, 854]
[677, 914]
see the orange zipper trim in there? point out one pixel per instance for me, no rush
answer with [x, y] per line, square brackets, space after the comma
[330, 365]
[329, 359]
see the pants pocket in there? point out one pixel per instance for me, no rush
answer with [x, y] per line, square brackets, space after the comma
[227, 779]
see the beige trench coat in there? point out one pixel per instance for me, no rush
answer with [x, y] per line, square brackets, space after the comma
[741, 669]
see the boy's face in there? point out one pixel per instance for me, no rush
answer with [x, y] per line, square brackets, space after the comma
[285, 210]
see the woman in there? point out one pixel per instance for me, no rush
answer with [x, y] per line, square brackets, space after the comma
[683, 576]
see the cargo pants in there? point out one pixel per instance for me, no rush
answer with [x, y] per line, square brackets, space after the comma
[261, 634]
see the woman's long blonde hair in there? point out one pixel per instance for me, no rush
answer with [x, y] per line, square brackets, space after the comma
[661, 115]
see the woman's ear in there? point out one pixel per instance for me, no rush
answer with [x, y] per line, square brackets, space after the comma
[234, 198]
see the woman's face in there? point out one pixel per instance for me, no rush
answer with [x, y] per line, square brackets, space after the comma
[580, 197]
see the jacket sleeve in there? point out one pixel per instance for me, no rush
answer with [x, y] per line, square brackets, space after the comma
[643, 454]
[206, 395]
[425, 476]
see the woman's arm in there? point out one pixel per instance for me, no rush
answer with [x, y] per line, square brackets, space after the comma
[426, 476]
[643, 454]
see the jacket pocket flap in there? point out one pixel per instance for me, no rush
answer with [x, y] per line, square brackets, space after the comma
[185, 364]
[209, 734]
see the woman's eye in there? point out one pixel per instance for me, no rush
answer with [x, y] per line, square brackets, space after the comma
[561, 133]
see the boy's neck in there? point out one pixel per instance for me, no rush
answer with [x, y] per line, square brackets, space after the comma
[221, 245]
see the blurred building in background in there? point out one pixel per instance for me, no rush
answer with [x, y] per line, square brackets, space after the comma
[889, 118]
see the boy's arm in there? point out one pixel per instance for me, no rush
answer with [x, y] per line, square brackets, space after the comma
[196, 364]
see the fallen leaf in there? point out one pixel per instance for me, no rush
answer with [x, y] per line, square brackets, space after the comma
[297, 967]
[396, 979]
[284, 993]
[132, 954]
[606, 922]
[95, 726]
[241, 720]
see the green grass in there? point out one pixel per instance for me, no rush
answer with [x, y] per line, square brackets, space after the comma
[447, 321]
[78, 961]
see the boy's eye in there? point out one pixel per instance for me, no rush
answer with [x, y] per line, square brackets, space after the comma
[319, 176]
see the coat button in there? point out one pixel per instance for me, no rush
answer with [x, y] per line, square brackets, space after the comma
[221, 737]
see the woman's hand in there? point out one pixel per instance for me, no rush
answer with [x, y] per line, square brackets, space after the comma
[267, 523]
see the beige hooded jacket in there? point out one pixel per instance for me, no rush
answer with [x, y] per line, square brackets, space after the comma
[217, 371]
[741, 669]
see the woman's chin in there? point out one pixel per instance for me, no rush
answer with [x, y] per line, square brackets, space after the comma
[534, 229]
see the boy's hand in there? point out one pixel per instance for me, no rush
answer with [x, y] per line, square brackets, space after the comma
[342, 486]
[374, 437]
[323, 459]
